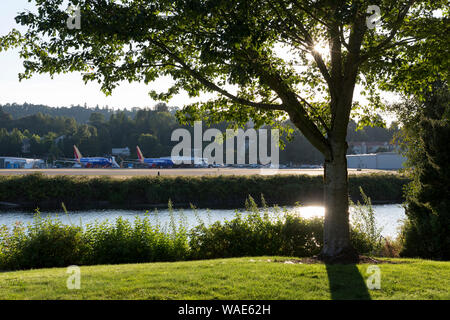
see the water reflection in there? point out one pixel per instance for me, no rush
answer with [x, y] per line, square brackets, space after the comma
[386, 216]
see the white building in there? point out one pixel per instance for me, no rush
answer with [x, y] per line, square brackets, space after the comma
[20, 163]
[121, 152]
[365, 147]
[382, 160]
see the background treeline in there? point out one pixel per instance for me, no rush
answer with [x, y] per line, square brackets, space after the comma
[53, 136]
[50, 133]
[81, 114]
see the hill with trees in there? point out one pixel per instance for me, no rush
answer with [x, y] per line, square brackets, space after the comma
[80, 113]
[52, 132]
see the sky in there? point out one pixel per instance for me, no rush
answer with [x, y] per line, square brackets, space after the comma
[65, 89]
[69, 89]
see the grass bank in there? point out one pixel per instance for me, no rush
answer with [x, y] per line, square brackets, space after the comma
[78, 192]
[237, 278]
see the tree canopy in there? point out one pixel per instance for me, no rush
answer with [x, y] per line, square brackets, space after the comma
[261, 57]
[261, 60]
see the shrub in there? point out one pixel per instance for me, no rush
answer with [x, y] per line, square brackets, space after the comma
[49, 243]
[44, 243]
[259, 233]
[391, 248]
[365, 234]
[126, 242]
[426, 232]
[254, 234]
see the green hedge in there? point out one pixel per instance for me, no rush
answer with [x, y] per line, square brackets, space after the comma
[78, 192]
[48, 243]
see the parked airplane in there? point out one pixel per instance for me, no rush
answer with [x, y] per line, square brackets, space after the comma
[153, 162]
[95, 162]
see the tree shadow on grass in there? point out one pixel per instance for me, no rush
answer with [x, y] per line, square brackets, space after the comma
[346, 282]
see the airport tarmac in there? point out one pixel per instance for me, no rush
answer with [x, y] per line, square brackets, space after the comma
[124, 173]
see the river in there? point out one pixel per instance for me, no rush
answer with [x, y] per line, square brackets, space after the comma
[388, 217]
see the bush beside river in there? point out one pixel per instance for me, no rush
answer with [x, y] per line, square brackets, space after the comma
[47, 242]
[78, 192]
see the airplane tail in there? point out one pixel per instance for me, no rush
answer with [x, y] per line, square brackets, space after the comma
[140, 155]
[77, 154]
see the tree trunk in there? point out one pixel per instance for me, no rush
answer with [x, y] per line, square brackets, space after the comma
[337, 247]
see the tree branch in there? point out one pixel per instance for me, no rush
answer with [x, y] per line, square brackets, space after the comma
[310, 44]
[212, 86]
[401, 16]
[322, 122]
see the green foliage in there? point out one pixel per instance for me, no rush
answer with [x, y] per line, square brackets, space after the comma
[238, 49]
[49, 243]
[426, 231]
[80, 114]
[11, 142]
[47, 192]
[141, 241]
[278, 233]
[208, 46]
[241, 49]
[151, 128]
[365, 233]
[257, 234]
[44, 243]
[379, 187]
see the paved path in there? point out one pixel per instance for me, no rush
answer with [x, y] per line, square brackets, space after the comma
[124, 173]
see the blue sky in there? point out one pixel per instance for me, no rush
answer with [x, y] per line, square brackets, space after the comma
[68, 89]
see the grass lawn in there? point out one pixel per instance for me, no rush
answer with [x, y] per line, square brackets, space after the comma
[240, 278]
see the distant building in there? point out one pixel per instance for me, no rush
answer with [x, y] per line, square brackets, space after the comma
[364, 147]
[20, 163]
[123, 152]
[382, 160]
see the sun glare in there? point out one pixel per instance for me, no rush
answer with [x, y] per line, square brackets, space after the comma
[308, 212]
[321, 49]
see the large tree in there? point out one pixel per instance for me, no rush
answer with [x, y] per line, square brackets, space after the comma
[262, 59]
